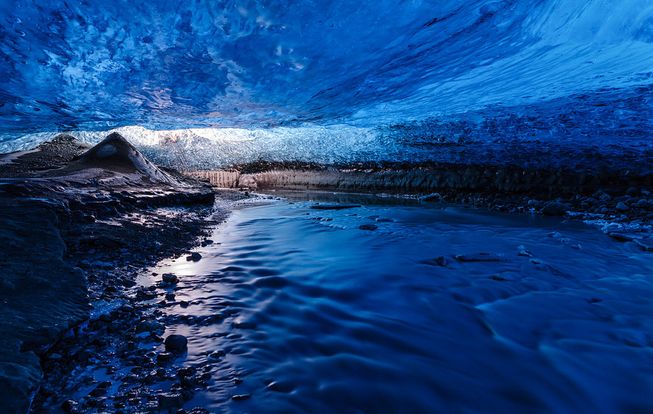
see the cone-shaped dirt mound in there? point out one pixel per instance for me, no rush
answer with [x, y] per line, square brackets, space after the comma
[115, 153]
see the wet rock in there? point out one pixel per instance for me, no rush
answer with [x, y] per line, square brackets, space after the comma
[431, 197]
[70, 407]
[498, 278]
[198, 410]
[186, 377]
[145, 294]
[534, 204]
[168, 401]
[602, 196]
[524, 252]
[164, 357]
[621, 206]
[127, 283]
[622, 237]
[206, 242]
[150, 326]
[216, 355]
[244, 325]
[101, 389]
[368, 227]
[554, 208]
[177, 344]
[169, 278]
[480, 257]
[632, 191]
[194, 257]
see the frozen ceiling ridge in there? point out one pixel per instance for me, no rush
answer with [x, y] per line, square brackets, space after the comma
[82, 65]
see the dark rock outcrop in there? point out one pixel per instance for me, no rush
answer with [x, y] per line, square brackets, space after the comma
[47, 216]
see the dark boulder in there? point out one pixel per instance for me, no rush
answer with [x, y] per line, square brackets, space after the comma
[177, 344]
[554, 209]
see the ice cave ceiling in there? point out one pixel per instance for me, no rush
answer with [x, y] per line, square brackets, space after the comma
[176, 64]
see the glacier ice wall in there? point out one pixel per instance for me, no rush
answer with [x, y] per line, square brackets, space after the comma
[415, 72]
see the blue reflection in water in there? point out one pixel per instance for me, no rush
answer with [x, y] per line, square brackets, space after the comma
[321, 316]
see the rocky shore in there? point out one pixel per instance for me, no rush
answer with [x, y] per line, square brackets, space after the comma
[622, 200]
[76, 226]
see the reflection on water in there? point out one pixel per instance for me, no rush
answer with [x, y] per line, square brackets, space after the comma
[299, 310]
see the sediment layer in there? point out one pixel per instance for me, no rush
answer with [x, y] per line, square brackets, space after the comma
[613, 194]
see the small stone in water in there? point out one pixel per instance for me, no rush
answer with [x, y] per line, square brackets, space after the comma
[170, 278]
[194, 257]
[621, 206]
[554, 208]
[164, 357]
[369, 227]
[217, 354]
[70, 406]
[621, 237]
[480, 257]
[524, 252]
[168, 401]
[177, 344]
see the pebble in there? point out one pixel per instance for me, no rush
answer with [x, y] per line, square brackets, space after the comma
[621, 206]
[431, 197]
[524, 252]
[368, 227]
[170, 278]
[498, 278]
[216, 355]
[168, 401]
[70, 406]
[177, 344]
[194, 257]
[620, 237]
[554, 208]
[480, 257]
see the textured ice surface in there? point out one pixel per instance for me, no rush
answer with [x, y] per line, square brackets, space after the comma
[79, 65]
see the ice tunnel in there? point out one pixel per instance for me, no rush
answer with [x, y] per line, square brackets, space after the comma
[332, 81]
[326, 206]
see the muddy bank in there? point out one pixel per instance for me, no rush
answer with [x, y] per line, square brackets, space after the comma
[614, 194]
[73, 236]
